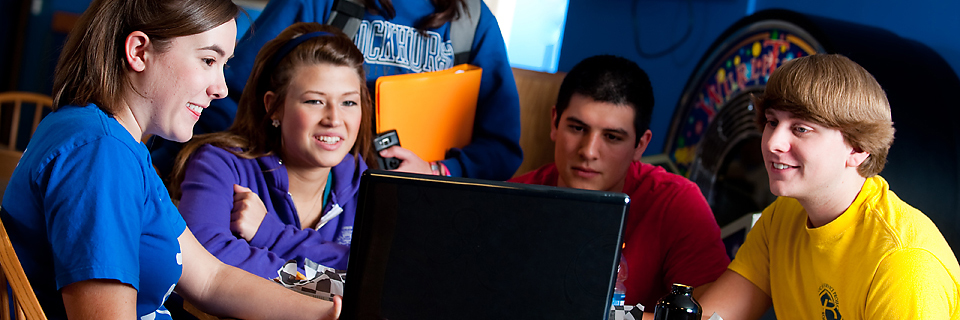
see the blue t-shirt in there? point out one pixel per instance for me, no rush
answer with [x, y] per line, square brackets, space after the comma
[85, 203]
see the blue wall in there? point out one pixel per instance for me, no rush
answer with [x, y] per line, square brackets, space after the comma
[42, 46]
[605, 27]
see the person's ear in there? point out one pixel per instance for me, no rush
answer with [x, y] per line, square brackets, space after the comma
[136, 49]
[268, 100]
[553, 123]
[857, 157]
[642, 145]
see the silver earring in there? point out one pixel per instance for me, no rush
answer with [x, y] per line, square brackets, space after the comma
[276, 123]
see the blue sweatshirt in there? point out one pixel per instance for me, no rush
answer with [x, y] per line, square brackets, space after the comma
[208, 199]
[394, 47]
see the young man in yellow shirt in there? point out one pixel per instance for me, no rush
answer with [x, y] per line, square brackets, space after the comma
[837, 243]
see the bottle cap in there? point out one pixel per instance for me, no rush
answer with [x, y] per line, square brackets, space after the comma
[679, 288]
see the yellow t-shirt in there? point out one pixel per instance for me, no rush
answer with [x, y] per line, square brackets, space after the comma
[880, 259]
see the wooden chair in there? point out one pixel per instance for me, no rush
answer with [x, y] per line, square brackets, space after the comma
[25, 304]
[40, 102]
[25, 301]
[8, 162]
[538, 94]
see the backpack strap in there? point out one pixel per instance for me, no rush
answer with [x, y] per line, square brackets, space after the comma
[462, 31]
[346, 15]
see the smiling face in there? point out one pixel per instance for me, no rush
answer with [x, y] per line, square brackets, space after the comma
[595, 142]
[805, 160]
[180, 82]
[321, 115]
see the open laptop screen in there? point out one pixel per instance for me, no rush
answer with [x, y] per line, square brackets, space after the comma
[427, 247]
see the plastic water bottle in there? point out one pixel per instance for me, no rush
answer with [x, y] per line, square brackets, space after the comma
[678, 305]
[620, 289]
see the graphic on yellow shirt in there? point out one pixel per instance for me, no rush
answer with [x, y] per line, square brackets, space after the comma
[830, 303]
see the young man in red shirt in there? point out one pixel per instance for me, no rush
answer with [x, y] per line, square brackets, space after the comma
[600, 129]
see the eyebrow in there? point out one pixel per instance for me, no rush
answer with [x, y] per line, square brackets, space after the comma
[215, 48]
[613, 130]
[324, 93]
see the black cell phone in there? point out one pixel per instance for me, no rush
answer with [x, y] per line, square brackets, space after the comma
[385, 140]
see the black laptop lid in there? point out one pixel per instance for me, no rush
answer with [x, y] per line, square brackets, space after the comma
[427, 247]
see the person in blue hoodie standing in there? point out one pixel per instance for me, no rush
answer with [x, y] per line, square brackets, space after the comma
[282, 182]
[412, 36]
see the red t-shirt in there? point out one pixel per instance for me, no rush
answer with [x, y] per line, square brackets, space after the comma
[671, 235]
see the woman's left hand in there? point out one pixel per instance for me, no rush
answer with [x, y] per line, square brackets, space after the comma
[410, 162]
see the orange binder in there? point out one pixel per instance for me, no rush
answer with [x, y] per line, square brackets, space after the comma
[432, 111]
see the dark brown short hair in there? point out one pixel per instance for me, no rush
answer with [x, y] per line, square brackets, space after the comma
[610, 79]
[835, 92]
[92, 67]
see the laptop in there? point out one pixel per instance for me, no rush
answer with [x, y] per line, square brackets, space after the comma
[429, 247]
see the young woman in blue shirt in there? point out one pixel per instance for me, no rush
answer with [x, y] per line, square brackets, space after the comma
[90, 219]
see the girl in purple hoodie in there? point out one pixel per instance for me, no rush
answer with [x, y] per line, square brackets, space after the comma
[281, 183]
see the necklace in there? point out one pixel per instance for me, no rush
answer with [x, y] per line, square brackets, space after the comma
[309, 209]
[308, 215]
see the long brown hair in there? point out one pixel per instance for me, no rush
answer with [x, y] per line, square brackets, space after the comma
[252, 135]
[91, 68]
[444, 11]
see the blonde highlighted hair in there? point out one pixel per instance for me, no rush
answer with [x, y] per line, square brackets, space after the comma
[835, 92]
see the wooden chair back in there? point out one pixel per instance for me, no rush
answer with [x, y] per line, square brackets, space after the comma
[17, 99]
[538, 94]
[25, 303]
[8, 161]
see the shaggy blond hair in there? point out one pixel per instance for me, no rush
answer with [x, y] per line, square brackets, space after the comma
[835, 92]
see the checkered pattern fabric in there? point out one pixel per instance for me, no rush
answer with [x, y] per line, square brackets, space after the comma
[317, 280]
[626, 312]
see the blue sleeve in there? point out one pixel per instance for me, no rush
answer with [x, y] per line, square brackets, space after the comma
[494, 153]
[206, 204]
[93, 197]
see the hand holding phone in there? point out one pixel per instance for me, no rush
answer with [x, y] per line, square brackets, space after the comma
[383, 141]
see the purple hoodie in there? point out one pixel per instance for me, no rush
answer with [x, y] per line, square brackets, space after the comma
[208, 198]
